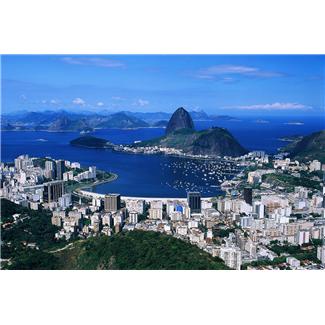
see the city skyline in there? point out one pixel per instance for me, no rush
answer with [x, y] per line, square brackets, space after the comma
[218, 84]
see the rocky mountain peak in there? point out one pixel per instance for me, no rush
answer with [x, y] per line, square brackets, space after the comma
[181, 119]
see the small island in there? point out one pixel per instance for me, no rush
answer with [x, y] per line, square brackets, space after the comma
[88, 141]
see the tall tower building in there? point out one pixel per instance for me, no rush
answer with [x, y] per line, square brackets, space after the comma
[60, 169]
[194, 201]
[112, 202]
[53, 191]
[49, 169]
[248, 195]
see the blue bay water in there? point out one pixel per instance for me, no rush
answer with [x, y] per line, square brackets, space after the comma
[154, 175]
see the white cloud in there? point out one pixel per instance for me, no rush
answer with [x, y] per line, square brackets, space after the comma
[274, 106]
[54, 101]
[141, 102]
[219, 70]
[117, 98]
[100, 104]
[93, 61]
[79, 101]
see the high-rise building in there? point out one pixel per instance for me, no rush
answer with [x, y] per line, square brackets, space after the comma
[23, 162]
[53, 191]
[248, 195]
[112, 202]
[258, 208]
[92, 171]
[49, 169]
[194, 201]
[135, 205]
[18, 163]
[49, 165]
[60, 169]
[321, 253]
[133, 217]
[231, 256]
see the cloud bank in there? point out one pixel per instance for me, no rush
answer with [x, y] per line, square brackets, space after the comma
[93, 61]
[278, 106]
[221, 70]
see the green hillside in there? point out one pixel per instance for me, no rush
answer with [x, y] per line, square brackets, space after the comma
[137, 250]
[89, 141]
[309, 147]
[214, 141]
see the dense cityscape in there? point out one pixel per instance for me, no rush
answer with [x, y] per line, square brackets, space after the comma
[271, 216]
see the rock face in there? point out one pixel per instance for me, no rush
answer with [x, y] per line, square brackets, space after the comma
[181, 119]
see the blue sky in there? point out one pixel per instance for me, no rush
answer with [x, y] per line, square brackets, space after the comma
[217, 84]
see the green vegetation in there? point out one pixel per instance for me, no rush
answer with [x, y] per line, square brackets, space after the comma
[309, 147]
[101, 177]
[8, 209]
[212, 141]
[32, 259]
[137, 250]
[289, 182]
[307, 252]
[223, 232]
[276, 262]
[33, 228]
[40, 162]
[89, 141]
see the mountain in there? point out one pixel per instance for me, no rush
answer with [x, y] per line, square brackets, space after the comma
[217, 141]
[152, 117]
[89, 141]
[181, 119]
[68, 121]
[7, 127]
[309, 147]
[199, 115]
[120, 120]
[214, 141]
[63, 123]
[180, 134]
[162, 123]
[149, 117]
[61, 120]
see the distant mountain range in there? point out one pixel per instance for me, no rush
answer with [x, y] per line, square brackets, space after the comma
[86, 121]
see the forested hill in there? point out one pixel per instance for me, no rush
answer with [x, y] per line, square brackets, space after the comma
[137, 250]
[309, 147]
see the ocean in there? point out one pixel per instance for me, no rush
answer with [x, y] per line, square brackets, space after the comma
[157, 175]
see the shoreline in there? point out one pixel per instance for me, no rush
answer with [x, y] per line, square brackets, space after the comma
[175, 155]
[95, 129]
[98, 182]
[88, 194]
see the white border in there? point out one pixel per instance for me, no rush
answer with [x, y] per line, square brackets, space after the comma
[169, 26]
[162, 27]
